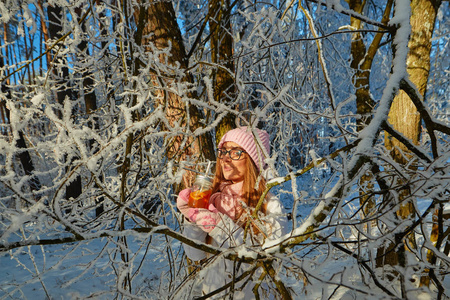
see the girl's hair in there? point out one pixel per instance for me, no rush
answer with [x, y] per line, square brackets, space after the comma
[250, 195]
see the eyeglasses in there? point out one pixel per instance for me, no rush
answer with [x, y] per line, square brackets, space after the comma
[234, 154]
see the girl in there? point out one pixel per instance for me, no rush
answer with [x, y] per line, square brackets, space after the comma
[236, 189]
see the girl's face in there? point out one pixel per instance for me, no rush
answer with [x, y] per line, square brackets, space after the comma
[233, 170]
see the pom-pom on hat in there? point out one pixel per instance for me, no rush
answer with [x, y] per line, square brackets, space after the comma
[244, 137]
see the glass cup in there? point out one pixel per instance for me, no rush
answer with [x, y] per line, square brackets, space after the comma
[200, 192]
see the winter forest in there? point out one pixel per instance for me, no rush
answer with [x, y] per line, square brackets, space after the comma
[110, 108]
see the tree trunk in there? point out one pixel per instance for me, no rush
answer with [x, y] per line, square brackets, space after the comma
[87, 91]
[364, 102]
[24, 154]
[221, 53]
[159, 27]
[61, 75]
[403, 115]
[361, 63]
[44, 29]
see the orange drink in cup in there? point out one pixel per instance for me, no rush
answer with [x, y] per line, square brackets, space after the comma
[199, 199]
[200, 192]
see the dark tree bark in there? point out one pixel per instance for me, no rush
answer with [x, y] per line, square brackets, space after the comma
[23, 155]
[60, 72]
[158, 25]
[90, 100]
[221, 53]
[361, 63]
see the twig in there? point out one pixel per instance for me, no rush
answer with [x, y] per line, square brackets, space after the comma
[353, 14]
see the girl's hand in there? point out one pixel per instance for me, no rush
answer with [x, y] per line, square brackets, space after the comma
[182, 202]
[206, 219]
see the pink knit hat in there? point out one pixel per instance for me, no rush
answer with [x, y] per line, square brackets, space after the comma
[244, 137]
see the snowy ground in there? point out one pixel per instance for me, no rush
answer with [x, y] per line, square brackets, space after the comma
[64, 276]
[74, 271]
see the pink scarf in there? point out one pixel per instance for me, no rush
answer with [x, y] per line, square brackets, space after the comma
[227, 200]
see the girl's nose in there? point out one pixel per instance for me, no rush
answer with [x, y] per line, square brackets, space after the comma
[226, 157]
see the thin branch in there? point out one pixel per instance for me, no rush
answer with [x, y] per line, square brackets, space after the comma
[202, 28]
[431, 124]
[405, 141]
[78, 238]
[284, 292]
[352, 14]
[375, 45]
[364, 264]
[226, 286]
[320, 57]
[304, 40]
